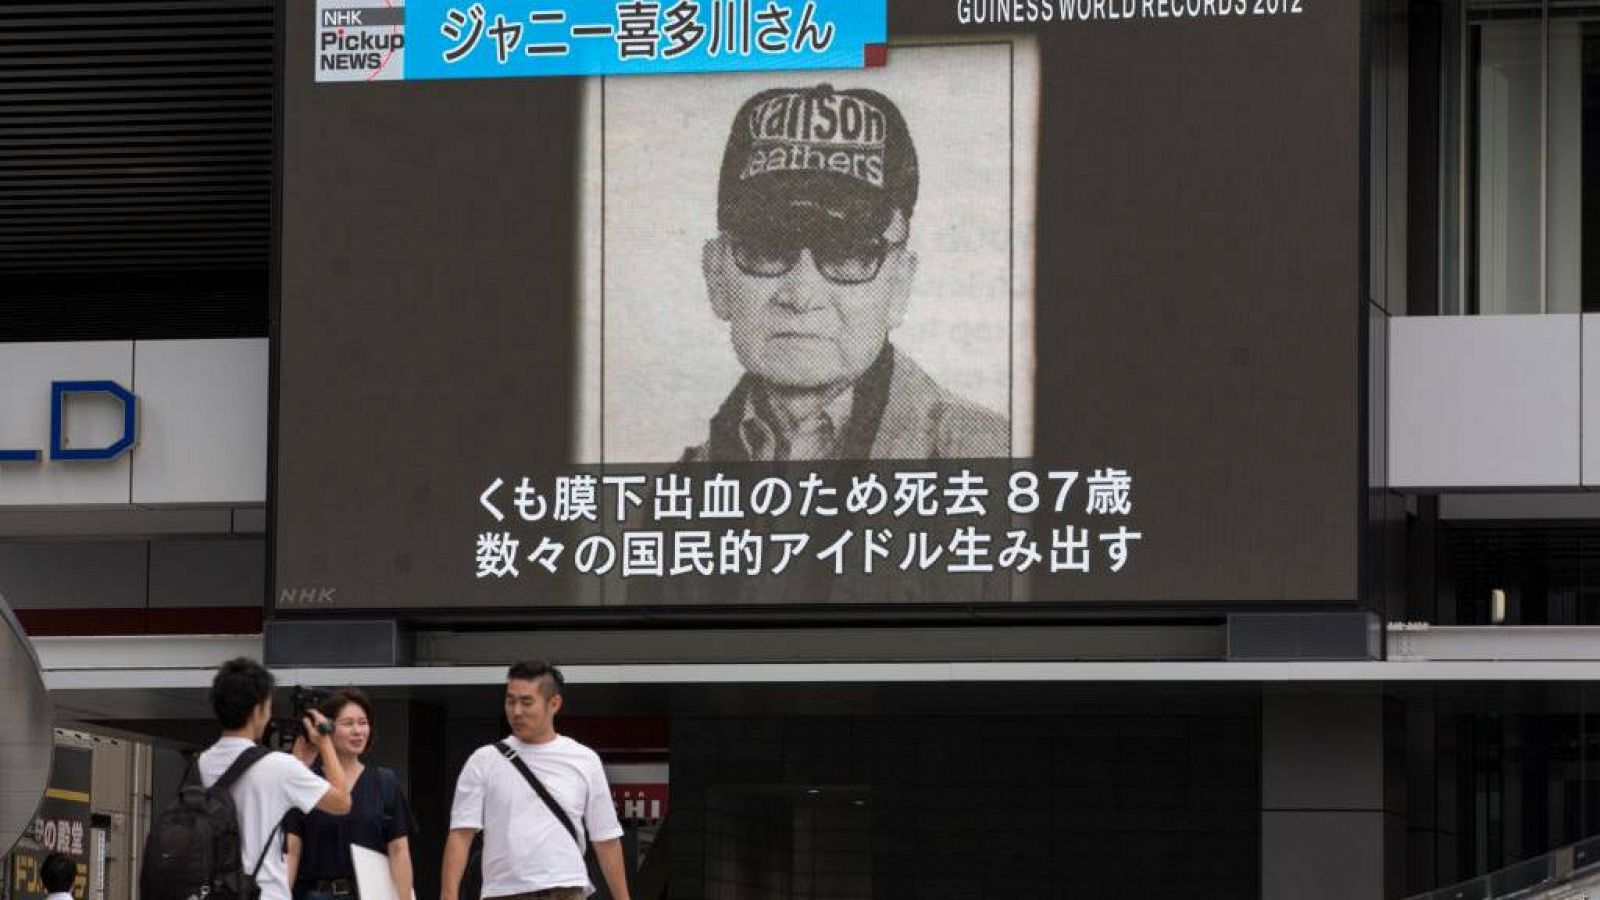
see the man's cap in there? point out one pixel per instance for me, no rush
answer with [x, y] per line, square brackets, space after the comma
[804, 158]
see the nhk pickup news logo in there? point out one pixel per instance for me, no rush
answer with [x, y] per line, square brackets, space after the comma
[360, 40]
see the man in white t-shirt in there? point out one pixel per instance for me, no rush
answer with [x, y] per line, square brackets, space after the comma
[528, 851]
[241, 697]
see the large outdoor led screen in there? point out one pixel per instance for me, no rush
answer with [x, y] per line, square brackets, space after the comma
[1049, 308]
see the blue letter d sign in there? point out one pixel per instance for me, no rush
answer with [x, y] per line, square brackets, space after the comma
[59, 390]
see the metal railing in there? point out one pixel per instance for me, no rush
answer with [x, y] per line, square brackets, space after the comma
[1561, 874]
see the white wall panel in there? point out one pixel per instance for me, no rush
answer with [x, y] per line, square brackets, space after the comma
[26, 371]
[202, 430]
[205, 421]
[1591, 400]
[1484, 401]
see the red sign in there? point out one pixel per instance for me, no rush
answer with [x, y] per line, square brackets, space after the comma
[639, 791]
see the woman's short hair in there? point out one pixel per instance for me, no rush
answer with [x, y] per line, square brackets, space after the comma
[345, 696]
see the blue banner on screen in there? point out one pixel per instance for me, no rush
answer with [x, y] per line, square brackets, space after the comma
[375, 40]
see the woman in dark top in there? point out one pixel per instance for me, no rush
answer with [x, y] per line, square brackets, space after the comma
[380, 818]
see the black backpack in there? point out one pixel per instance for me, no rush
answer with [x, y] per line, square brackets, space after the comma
[194, 847]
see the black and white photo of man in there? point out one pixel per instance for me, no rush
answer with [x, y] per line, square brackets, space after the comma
[800, 266]
[812, 273]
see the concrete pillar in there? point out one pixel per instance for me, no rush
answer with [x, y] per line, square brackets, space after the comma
[1327, 826]
[121, 792]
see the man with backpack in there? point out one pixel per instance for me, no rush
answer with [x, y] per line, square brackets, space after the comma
[221, 839]
[539, 798]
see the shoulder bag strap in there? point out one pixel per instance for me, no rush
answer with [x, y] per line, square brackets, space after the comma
[241, 762]
[191, 772]
[265, 846]
[245, 760]
[539, 788]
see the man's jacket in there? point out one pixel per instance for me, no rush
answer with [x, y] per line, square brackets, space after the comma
[899, 412]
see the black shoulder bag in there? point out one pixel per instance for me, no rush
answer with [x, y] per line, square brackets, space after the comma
[539, 788]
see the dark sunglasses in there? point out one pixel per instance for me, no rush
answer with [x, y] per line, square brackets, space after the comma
[841, 262]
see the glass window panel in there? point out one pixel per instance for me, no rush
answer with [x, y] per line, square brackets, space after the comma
[1387, 125]
[1584, 102]
[1452, 188]
[1565, 187]
[1507, 151]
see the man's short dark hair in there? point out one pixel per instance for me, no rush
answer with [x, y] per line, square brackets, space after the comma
[58, 873]
[240, 686]
[550, 678]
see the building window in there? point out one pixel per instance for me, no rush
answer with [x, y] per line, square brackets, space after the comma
[1388, 33]
[1529, 74]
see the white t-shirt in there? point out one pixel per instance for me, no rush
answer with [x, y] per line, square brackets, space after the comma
[262, 795]
[525, 847]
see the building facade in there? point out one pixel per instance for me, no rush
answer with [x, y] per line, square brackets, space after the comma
[1269, 577]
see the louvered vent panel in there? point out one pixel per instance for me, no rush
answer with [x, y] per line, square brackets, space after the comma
[135, 168]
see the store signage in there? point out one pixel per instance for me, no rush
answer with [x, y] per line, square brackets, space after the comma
[60, 826]
[384, 40]
[60, 391]
[639, 791]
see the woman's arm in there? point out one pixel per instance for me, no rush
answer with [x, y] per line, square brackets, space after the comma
[400, 867]
[292, 852]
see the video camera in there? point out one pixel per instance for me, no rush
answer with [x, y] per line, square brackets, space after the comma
[282, 732]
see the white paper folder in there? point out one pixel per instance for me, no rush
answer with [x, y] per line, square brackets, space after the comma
[373, 881]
